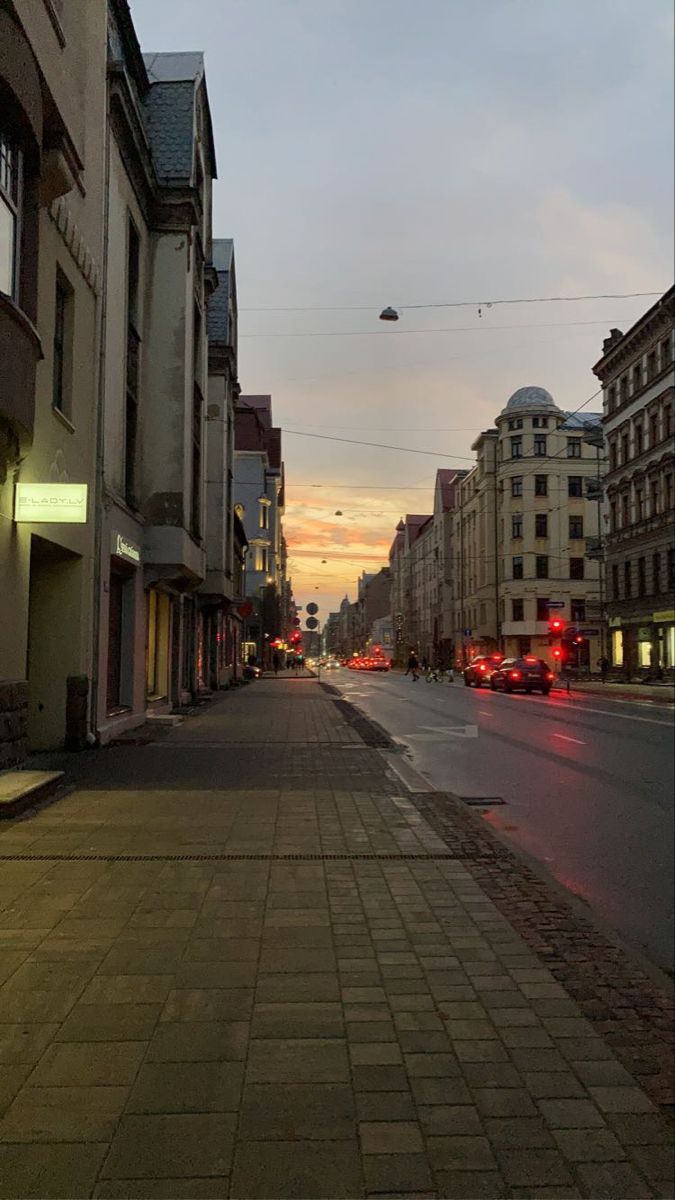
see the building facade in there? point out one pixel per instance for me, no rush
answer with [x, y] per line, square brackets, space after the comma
[473, 596]
[51, 272]
[638, 380]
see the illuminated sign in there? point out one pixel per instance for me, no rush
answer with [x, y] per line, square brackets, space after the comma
[56, 503]
[124, 549]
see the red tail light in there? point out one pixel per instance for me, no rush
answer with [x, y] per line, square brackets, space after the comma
[482, 667]
[514, 674]
[550, 675]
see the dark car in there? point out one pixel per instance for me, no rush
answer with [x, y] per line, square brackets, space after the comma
[528, 674]
[479, 670]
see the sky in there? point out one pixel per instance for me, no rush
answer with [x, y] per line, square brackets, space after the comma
[374, 152]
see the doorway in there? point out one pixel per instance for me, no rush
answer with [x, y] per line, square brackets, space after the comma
[54, 639]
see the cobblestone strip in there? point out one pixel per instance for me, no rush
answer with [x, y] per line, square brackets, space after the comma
[618, 999]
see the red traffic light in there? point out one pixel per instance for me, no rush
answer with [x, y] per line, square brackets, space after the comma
[557, 652]
[556, 626]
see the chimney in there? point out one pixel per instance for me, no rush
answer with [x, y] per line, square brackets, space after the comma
[615, 335]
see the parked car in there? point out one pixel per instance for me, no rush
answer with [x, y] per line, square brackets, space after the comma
[527, 674]
[480, 669]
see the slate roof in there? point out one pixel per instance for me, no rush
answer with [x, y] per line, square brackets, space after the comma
[218, 315]
[170, 114]
[580, 420]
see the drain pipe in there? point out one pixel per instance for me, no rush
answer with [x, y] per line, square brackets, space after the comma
[92, 736]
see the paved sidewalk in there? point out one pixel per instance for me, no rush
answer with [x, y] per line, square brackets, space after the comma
[238, 962]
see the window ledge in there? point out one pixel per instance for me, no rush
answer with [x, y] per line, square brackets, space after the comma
[63, 419]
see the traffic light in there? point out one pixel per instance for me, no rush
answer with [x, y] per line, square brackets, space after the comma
[556, 626]
[557, 653]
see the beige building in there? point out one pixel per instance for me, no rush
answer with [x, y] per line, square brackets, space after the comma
[471, 608]
[52, 114]
[637, 373]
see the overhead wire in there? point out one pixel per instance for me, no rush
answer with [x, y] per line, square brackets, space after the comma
[453, 303]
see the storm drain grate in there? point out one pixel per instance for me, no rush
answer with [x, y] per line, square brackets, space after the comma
[481, 801]
[356, 856]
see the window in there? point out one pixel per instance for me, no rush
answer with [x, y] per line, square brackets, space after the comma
[625, 510]
[576, 568]
[656, 573]
[651, 364]
[670, 571]
[653, 429]
[612, 516]
[543, 612]
[623, 388]
[518, 610]
[516, 447]
[637, 377]
[617, 647]
[541, 525]
[264, 515]
[578, 610]
[540, 422]
[574, 487]
[62, 345]
[540, 445]
[639, 504]
[516, 423]
[576, 529]
[615, 582]
[654, 498]
[517, 485]
[573, 448]
[517, 565]
[638, 440]
[517, 525]
[196, 497]
[132, 367]
[667, 428]
[612, 456]
[642, 576]
[524, 646]
[11, 165]
[668, 487]
[626, 580]
[541, 566]
[611, 397]
[666, 353]
[541, 485]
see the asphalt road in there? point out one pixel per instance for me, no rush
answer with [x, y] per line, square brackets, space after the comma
[588, 785]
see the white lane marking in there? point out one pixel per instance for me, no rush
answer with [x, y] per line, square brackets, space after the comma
[626, 717]
[486, 712]
[465, 731]
[559, 704]
[569, 739]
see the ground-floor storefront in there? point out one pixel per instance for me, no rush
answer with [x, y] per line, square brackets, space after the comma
[644, 642]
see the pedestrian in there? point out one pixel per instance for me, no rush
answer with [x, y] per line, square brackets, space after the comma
[604, 665]
[413, 666]
[276, 663]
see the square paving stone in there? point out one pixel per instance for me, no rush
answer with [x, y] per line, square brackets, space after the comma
[480, 1052]
[385, 1106]
[602, 1074]
[505, 1102]
[441, 1120]
[24, 1043]
[199, 1041]
[535, 1168]
[607, 1181]
[297, 1020]
[12, 1080]
[310, 988]
[297, 1060]
[469, 1185]
[18, 1006]
[215, 1188]
[277, 960]
[431, 1066]
[143, 960]
[215, 975]
[397, 1174]
[517, 1132]
[373, 1077]
[222, 950]
[657, 1163]
[639, 1129]
[48, 1172]
[182, 1087]
[461, 1153]
[109, 1023]
[362, 1053]
[370, 1031]
[440, 1091]
[208, 1004]
[621, 1099]
[390, 1137]
[553, 1085]
[491, 1075]
[89, 1064]
[127, 989]
[173, 1146]
[285, 1112]
[571, 1114]
[321, 1169]
[63, 1114]
[589, 1145]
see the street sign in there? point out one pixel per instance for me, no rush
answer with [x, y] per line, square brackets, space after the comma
[467, 633]
[589, 632]
[312, 609]
[555, 603]
[312, 623]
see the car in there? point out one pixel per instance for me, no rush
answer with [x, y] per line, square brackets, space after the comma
[377, 663]
[527, 674]
[331, 664]
[480, 669]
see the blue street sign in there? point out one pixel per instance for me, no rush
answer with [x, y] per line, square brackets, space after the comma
[555, 604]
[467, 633]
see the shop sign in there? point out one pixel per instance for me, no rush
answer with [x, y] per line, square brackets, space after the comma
[666, 615]
[615, 622]
[123, 548]
[54, 503]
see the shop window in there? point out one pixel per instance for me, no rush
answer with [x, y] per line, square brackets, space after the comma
[617, 647]
[541, 485]
[573, 448]
[576, 568]
[576, 529]
[540, 445]
[11, 167]
[541, 525]
[669, 647]
[541, 566]
[644, 653]
[578, 610]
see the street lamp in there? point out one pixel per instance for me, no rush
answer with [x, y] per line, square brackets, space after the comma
[389, 314]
